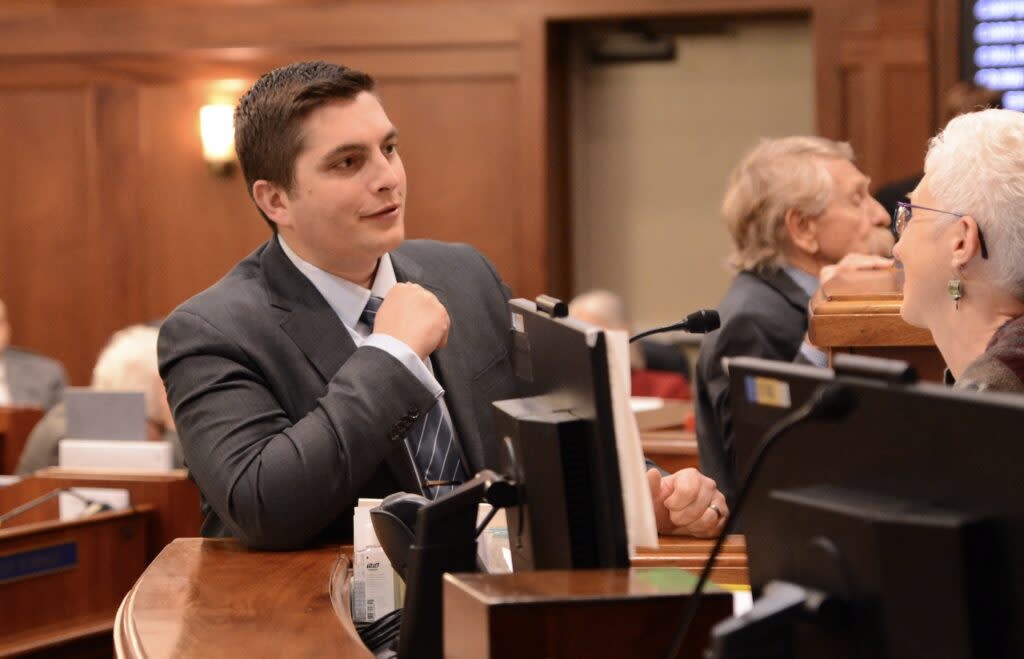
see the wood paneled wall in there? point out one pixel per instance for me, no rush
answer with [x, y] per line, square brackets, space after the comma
[111, 216]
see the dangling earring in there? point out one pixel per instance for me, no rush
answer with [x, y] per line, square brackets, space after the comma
[955, 287]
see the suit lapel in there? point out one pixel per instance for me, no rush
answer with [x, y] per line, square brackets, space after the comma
[449, 366]
[314, 327]
[786, 287]
[306, 318]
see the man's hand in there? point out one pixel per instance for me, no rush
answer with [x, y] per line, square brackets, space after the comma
[853, 268]
[687, 503]
[414, 316]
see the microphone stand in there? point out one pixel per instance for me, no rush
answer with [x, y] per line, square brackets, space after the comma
[91, 507]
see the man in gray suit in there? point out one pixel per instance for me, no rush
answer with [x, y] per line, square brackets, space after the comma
[798, 211]
[338, 361]
[27, 378]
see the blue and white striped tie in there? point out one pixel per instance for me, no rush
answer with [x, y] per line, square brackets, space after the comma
[431, 440]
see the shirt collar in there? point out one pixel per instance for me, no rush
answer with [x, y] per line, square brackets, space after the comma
[807, 282]
[347, 299]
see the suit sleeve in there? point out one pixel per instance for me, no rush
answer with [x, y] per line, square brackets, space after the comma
[744, 335]
[273, 482]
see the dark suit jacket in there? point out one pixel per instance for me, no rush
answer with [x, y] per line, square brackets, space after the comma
[763, 315]
[284, 423]
[34, 379]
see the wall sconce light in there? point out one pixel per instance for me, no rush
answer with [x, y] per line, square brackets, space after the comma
[216, 127]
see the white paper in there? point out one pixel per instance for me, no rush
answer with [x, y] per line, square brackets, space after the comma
[641, 527]
[71, 507]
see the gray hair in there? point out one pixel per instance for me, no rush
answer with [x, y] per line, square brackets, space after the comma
[776, 176]
[975, 166]
[600, 307]
[129, 362]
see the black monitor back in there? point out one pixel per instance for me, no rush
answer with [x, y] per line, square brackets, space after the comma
[910, 508]
[560, 446]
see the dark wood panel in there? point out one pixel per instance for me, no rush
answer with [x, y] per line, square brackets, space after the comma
[39, 611]
[459, 144]
[15, 425]
[61, 249]
[198, 225]
[148, 30]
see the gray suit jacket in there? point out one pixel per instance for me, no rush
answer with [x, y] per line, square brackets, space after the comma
[34, 379]
[285, 424]
[763, 315]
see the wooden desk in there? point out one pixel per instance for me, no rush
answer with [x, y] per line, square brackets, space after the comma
[870, 324]
[213, 598]
[16, 423]
[68, 609]
[175, 498]
[663, 438]
[671, 448]
[204, 597]
[171, 505]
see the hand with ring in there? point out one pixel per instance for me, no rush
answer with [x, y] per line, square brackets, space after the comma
[687, 503]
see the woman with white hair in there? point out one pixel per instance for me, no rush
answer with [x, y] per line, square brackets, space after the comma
[127, 363]
[961, 243]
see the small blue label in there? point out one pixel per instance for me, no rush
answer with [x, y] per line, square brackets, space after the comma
[37, 562]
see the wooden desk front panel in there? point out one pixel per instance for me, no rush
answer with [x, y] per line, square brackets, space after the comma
[40, 611]
[172, 494]
[16, 423]
[561, 614]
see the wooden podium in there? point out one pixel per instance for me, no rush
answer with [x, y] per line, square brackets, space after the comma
[861, 315]
[61, 581]
[207, 598]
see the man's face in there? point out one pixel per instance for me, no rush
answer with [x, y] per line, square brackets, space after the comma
[853, 221]
[347, 205]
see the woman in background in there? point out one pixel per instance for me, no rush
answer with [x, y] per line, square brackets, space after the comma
[127, 363]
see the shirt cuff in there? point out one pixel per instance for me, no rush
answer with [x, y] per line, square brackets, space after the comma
[814, 355]
[403, 353]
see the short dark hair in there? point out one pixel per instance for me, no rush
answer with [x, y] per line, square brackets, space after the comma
[268, 138]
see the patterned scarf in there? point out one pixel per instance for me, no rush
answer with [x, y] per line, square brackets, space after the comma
[1007, 345]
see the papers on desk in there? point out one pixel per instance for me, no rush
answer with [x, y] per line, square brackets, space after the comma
[74, 507]
[641, 528]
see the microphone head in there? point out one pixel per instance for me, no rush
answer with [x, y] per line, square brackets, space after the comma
[702, 321]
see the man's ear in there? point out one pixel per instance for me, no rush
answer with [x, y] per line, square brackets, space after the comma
[273, 200]
[802, 231]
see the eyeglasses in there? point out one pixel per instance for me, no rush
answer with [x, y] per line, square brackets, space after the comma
[904, 212]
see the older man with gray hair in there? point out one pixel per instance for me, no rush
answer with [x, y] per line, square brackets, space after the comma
[793, 207]
[27, 378]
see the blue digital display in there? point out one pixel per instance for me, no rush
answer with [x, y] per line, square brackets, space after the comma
[993, 47]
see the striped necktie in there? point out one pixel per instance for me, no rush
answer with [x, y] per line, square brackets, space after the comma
[431, 439]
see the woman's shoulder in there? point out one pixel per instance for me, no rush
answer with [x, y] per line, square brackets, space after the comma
[990, 373]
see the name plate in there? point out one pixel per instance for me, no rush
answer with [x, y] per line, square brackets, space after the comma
[37, 562]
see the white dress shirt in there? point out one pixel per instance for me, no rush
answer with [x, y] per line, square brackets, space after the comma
[348, 301]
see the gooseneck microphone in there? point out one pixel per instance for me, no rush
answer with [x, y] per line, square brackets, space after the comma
[701, 321]
[92, 507]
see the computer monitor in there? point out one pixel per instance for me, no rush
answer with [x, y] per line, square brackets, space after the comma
[893, 532]
[559, 445]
